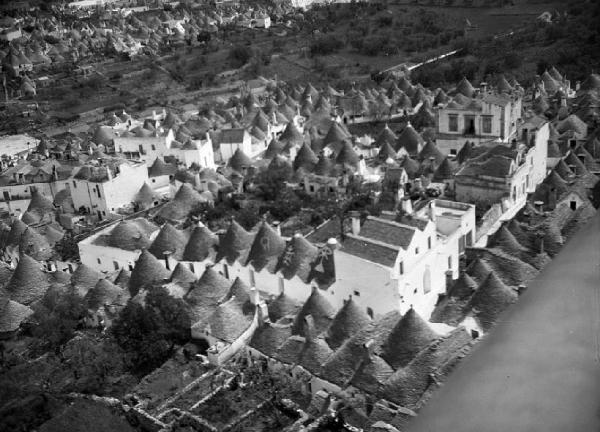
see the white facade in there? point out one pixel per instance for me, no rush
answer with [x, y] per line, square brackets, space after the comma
[232, 140]
[117, 191]
[491, 118]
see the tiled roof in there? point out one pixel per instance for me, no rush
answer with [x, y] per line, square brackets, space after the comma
[232, 135]
[370, 250]
[282, 306]
[388, 232]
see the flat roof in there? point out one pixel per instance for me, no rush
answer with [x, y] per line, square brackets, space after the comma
[539, 368]
[13, 145]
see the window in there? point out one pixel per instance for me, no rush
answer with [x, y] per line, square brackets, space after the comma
[573, 205]
[370, 312]
[450, 262]
[191, 266]
[486, 124]
[226, 271]
[429, 242]
[252, 281]
[74, 184]
[153, 180]
[453, 122]
[357, 293]
[401, 267]
[311, 188]
[416, 251]
[98, 259]
[453, 152]
[116, 265]
[153, 147]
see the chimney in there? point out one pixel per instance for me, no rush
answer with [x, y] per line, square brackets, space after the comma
[483, 87]
[431, 211]
[418, 184]
[166, 255]
[277, 226]
[355, 217]
[449, 280]
[406, 205]
[263, 313]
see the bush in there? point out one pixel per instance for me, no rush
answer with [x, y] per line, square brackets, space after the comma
[324, 45]
[239, 55]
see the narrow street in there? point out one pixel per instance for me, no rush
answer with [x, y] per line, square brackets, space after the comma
[539, 370]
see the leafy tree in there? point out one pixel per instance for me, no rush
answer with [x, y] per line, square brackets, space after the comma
[151, 332]
[57, 319]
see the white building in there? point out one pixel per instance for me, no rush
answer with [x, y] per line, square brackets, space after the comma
[482, 119]
[148, 148]
[103, 189]
[232, 140]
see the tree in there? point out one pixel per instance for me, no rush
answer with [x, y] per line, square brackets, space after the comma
[58, 318]
[239, 55]
[151, 332]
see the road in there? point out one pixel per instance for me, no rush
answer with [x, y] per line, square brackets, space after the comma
[539, 369]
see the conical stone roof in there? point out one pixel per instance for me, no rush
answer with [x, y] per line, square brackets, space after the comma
[84, 278]
[148, 270]
[28, 282]
[490, 300]
[348, 321]
[201, 243]
[409, 336]
[169, 240]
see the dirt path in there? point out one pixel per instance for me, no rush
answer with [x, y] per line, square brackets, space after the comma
[539, 370]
